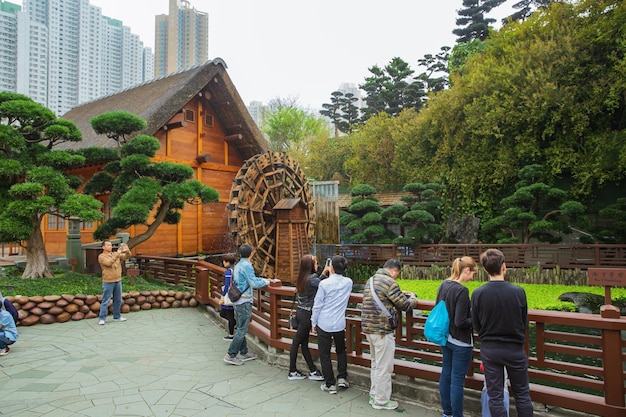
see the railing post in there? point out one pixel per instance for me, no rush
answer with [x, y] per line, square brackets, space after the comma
[611, 355]
[274, 306]
[202, 285]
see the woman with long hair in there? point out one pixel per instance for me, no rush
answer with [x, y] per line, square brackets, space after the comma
[306, 286]
[457, 353]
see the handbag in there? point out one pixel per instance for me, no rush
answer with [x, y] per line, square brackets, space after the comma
[292, 322]
[392, 315]
[437, 327]
[233, 293]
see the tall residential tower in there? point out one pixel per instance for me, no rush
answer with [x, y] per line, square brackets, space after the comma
[181, 38]
[62, 53]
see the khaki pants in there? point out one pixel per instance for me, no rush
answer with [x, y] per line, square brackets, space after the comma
[382, 350]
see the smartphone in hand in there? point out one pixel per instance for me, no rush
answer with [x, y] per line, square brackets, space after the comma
[328, 262]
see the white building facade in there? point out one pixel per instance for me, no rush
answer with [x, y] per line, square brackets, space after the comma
[68, 53]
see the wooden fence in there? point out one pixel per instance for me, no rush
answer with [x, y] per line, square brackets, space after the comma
[576, 360]
[517, 255]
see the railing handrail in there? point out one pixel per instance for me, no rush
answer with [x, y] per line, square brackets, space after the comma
[563, 256]
[600, 384]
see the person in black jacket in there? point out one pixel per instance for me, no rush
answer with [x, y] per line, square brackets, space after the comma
[500, 316]
[457, 352]
[306, 287]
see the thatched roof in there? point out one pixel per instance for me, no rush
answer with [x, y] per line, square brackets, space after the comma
[157, 101]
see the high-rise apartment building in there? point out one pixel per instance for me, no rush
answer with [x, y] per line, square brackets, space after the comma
[66, 53]
[181, 38]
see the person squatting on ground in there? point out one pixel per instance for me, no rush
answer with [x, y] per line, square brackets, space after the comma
[329, 322]
[111, 265]
[457, 353]
[245, 280]
[307, 283]
[379, 334]
[8, 329]
[8, 306]
[500, 316]
[228, 312]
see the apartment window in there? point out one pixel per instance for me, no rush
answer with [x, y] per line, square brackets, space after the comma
[56, 220]
[189, 115]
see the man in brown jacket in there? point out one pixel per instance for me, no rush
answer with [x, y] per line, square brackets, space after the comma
[379, 334]
[111, 265]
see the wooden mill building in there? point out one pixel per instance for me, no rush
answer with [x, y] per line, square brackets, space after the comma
[200, 121]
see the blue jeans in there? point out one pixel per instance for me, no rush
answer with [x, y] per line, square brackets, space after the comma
[456, 361]
[243, 313]
[5, 341]
[111, 289]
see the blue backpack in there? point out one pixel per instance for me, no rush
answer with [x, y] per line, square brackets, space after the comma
[437, 327]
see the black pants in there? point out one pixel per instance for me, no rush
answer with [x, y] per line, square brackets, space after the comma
[496, 357]
[324, 342]
[301, 339]
[229, 314]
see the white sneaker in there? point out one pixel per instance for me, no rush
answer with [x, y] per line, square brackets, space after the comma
[101, 322]
[389, 405]
[120, 319]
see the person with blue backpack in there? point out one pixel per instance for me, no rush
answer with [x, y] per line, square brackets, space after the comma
[457, 350]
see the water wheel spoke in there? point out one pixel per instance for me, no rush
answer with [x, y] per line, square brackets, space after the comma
[262, 182]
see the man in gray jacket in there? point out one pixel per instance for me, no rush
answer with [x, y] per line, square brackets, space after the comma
[379, 334]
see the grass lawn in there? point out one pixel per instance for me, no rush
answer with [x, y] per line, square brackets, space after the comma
[539, 296]
[71, 283]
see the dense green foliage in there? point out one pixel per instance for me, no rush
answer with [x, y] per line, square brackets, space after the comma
[32, 179]
[391, 89]
[548, 90]
[142, 191]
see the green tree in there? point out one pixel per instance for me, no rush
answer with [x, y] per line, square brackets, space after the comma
[613, 228]
[374, 157]
[291, 128]
[548, 90]
[32, 179]
[525, 8]
[143, 192]
[365, 217]
[391, 89]
[424, 215]
[472, 23]
[341, 111]
[535, 211]
[435, 78]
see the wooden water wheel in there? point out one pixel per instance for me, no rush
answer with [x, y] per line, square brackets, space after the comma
[268, 189]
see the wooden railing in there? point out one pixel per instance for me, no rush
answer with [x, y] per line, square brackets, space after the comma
[517, 255]
[576, 360]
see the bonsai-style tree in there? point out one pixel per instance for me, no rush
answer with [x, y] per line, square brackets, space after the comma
[424, 213]
[535, 210]
[364, 215]
[143, 192]
[32, 179]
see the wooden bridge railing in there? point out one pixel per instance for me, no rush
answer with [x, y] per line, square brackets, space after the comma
[517, 255]
[577, 361]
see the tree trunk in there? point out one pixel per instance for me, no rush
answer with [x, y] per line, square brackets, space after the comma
[36, 258]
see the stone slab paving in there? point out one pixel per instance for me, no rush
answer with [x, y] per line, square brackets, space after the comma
[159, 363]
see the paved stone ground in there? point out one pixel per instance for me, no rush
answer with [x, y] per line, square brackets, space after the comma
[158, 363]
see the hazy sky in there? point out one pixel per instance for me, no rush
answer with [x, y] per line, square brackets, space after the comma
[306, 49]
